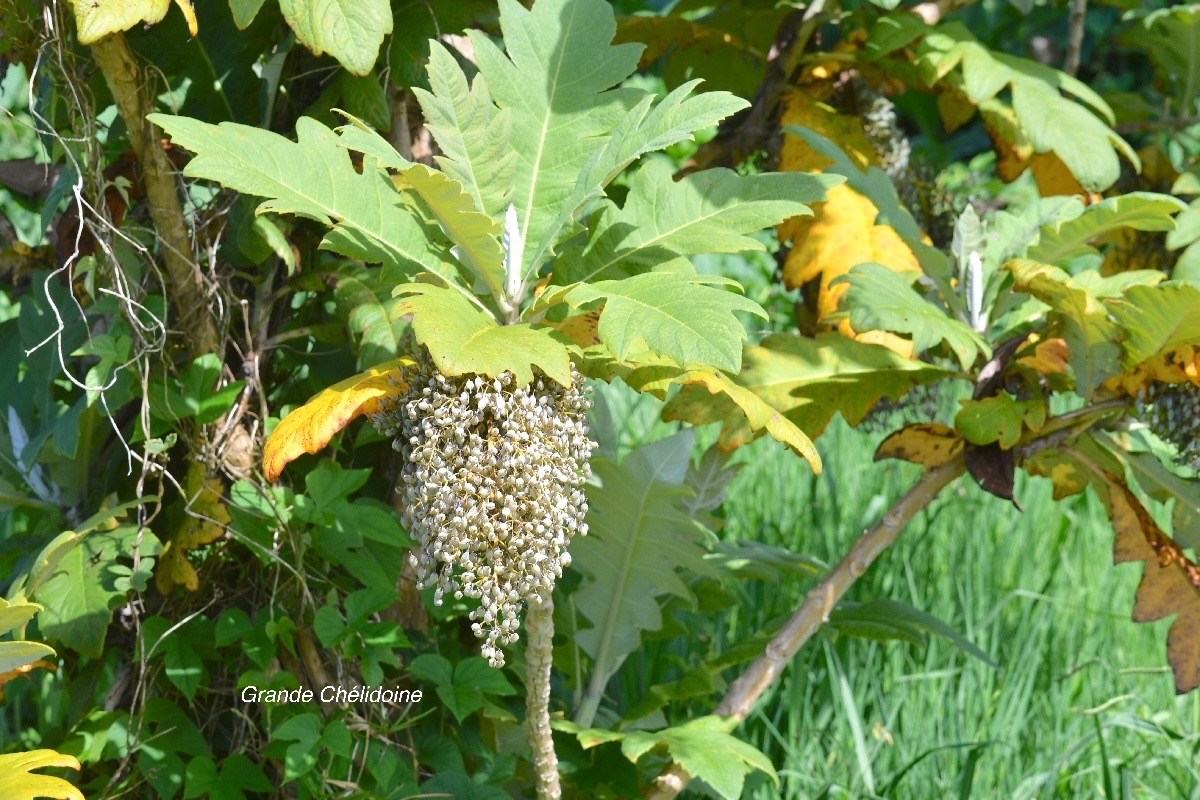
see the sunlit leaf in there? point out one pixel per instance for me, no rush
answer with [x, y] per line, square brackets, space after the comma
[349, 30]
[929, 444]
[309, 428]
[18, 781]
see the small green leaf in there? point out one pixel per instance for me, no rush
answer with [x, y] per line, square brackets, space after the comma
[999, 419]
[707, 750]
[680, 317]
[463, 339]
[349, 30]
[880, 298]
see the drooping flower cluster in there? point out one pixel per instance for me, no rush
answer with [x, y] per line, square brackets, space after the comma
[492, 482]
[1172, 410]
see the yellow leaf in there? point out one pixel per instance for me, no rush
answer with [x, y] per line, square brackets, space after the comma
[95, 19]
[840, 235]
[1049, 356]
[17, 781]
[929, 444]
[1053, 177]
[581, 328]
[801, 108]
[310, 427]
[207, 516]
[173, 569]
[1181, 365]
[1068, 475]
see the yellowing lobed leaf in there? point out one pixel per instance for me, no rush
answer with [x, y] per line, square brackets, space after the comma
[349, 30]
[17, 781]
[757, 414]
[929, 444]
[19, 655]
[95, 19]
[807, 381]
[309, 428]
[1170, 581]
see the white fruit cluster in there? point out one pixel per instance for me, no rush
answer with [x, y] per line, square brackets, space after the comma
[492, 482]
[1172, 410]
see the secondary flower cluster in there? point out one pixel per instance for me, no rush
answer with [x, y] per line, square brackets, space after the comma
[492, 481]
[1172, 410]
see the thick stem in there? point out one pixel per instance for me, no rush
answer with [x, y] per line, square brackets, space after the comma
[814, 612]
[1075, 37]
[539, 628]
[185, 283]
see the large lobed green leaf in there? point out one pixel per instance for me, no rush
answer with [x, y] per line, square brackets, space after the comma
[312, 177]
[637, 538]
[1157, 319]
[558, 82]
[472, 133]
[572, 129]
[706, 212]
[464, 339]
[1065, 239]
[681, 317]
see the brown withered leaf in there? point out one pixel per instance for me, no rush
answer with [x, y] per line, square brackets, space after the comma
[1170, 583]
[929, 444]
[994, 469]
[310, 427]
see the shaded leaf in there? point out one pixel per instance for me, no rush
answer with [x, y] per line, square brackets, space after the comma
[637, 538]
[993, 469]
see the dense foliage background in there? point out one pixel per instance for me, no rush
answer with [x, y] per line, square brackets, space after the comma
[154, 328]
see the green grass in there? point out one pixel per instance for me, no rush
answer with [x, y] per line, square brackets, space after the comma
[1081, 704]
